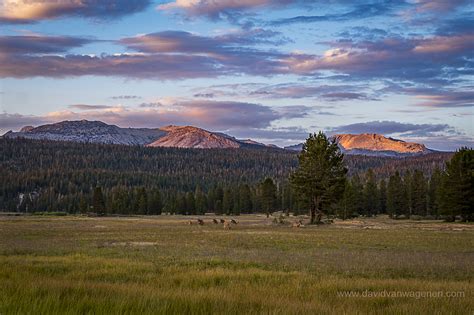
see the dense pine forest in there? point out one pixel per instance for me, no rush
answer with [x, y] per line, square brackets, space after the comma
[45, 176]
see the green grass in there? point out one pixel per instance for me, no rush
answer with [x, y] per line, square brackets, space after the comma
[74, 265]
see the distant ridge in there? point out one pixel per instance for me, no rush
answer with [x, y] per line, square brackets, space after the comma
[100, 132]
[374, 145]
[88, 131]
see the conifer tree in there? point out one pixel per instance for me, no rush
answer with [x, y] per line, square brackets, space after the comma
[434, 193]
[227, 202]
[357, 195]
[418, 193]
[245, 199]
[382, 200]
[370, 194]
[98, 202]
[395, 195]
[268, 195]
[320, 177]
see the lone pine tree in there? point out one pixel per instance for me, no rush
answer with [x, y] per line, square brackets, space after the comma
[320, 177]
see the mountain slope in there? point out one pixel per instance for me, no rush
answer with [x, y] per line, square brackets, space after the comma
[373, 145]
[192, 137]
[88, 131]
[370, 143]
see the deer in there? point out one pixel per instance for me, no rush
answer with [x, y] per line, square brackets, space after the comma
[215, 221]
[298, 224]
[226, 225]
[233, 221]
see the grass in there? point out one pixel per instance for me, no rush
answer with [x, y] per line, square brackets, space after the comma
[159, 265]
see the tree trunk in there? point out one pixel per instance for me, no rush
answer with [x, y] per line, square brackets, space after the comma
[315, 213]
[312, 214]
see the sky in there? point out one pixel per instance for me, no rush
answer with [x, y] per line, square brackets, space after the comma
[272, 71]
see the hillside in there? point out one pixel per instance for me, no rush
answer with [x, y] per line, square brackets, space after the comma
[374, 143]
[192, 137]
[371, 144]
[88, 131]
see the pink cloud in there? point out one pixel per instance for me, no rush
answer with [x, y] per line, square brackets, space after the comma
[28, 11]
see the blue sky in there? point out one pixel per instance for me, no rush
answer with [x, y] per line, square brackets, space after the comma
[272, 71]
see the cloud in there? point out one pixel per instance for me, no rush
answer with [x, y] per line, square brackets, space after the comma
[393, 127]
[447, 99]
[173, 55]
[17, 121]
[440, 6]
[40, 44]
[415, 59]
[30, 11]
[282, 136]
[120, 65]
[298, 90]
[215, 9]
[164, 55]
[360, 11]
[125, 97]
[287, 91]
[89, 107]
[214, 115]
[185, 42]
[457, 25]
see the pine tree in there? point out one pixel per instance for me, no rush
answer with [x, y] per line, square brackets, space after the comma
[245, 199]
[154, 203]
[200, 201]
[227, 202]
[268, 195]
[395, 195]
[407, 201]
[190, 203]
[346, 207]
[434, 188]
[418, 193]
[357, 195]
[98, 202]
[320, 177]
[370, 194]
[382, 196]
[142, 201]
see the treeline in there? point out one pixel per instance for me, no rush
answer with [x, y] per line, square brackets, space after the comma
[447, 193]
[81, 178]
[142, 201]
[399, 196]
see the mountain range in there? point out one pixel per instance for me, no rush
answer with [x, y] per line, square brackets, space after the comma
[100, 132]
[193, 137]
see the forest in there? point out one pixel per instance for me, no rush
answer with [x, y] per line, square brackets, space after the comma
[46, 176]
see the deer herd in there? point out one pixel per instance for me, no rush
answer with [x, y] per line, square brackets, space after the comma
[227, 223]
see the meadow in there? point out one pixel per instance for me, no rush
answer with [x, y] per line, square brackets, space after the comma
[161, 265]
